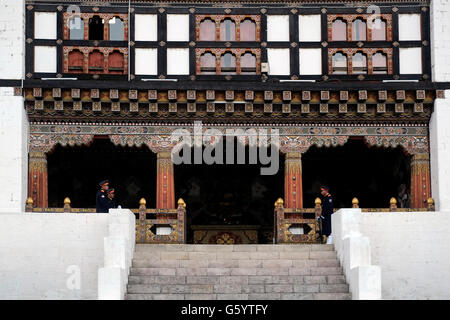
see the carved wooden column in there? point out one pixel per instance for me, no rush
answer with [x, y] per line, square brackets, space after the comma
[293, 188]
[165, 186]
[37, 179]
[420, 180]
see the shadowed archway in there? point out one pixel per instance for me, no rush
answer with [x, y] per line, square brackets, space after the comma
[75, 172]
[372, 174]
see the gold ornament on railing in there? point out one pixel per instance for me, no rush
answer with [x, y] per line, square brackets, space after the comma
[181, 203]
[317, 202]
[393, 204]
[355, 203]
[279, 202]
[67, 202]
[29, 205]
[430, 204]
[142, 202]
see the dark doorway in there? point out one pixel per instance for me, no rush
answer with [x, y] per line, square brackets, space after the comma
[373, 175]
[229, 194]
[75, 172]
[96, 28]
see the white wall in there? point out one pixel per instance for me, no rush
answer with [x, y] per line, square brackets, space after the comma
[59, 255]
[439, 129]
[14, 155]
[36, 251]
[13, 119]
[12, 39]
[411, 248]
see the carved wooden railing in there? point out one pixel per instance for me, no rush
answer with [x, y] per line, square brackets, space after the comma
[288, 220]
[148, 221]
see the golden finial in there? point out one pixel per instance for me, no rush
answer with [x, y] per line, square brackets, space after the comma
[355, 203]
[279, 202]
[66, 201]
[317, 202]
[30, 201]
[142, 202]
[393, 201]
[181, 203]
[430, 201]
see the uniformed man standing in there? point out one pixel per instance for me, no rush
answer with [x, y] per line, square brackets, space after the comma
[327, 211]
[101, 198]
[111, 201]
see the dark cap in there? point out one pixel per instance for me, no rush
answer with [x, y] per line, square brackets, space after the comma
[103, 182]
[324, 188]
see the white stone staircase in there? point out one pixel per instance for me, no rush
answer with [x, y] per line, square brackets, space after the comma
[236, 272]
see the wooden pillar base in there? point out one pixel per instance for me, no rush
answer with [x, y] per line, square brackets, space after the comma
[293, 188]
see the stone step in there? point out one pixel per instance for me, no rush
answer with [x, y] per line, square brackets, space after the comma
[268, 255]
[243, 280]
[232, 248]
[234, 263]
[254, 296]
[235, 288]
[302, 271]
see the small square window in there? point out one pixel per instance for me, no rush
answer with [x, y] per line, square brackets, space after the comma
[277, 28]
[45, 59]
[45, 25]
[410, 61]
[146, 62]
[178, 27]
[279, 61]
[309, 28]
[145, 27]
[178, 61]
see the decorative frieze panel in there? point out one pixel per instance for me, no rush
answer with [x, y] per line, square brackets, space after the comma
[414, 139]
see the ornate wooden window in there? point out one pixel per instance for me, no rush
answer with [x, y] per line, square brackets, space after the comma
[359, 63]
[207, 30]
[248, 63]
[379, 62]
[76, 28]
[96, 62]
[227, 30]
[116, 62]
[96, 28]
[339, 30]
[248, 30]
[76, 61]
[359, 30]
[378, 30]
[228, 61]
[208, 63]
[116, 29]
[339, 62]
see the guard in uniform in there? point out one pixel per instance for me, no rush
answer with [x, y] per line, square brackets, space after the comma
[327, 211]
[102, 198]
[111, 201]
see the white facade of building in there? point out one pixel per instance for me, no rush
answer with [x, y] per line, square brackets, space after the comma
[14, 156]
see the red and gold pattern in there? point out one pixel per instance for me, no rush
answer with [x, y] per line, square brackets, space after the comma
[420, 180]
[165, 186]
[293, 189]
[38, 179]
